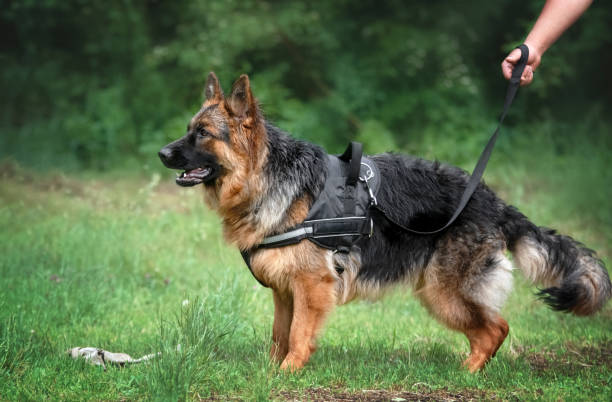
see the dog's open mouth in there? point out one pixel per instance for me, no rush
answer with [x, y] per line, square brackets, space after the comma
[194, 176]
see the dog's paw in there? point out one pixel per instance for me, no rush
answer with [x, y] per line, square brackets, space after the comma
[292, 363]
[475, 363]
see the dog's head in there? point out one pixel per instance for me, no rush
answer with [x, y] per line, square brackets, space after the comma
[224, 139]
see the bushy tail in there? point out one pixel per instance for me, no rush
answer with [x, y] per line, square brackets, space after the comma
[575, 279]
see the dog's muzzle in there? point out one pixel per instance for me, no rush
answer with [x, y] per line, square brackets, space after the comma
[201, 169]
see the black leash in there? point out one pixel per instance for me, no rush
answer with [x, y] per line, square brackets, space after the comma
[476, 176]
[353, 155]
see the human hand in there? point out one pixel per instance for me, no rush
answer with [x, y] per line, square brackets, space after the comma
[532, 63]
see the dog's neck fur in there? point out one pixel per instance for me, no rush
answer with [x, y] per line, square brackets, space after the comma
[293, 175]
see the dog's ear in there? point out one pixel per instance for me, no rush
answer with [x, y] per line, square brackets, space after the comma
[241, 102]
[213, 89]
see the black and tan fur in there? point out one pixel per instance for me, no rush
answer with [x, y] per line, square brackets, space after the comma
[262, 182]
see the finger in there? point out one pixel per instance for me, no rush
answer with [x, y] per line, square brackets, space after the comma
[509, 62]
[506, 69]
[527, 76]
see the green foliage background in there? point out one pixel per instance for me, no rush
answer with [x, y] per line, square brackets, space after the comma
[99, 86]
[96, 84]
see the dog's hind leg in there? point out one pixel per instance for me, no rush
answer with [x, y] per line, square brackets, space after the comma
[468, 299]
[283, 314]
[313, 298]
[485, 340]
[485, 331]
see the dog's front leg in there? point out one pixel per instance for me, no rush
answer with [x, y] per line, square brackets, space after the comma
[283, 315]
[313, 297]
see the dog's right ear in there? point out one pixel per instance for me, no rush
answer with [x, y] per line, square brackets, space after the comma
[213, 89]
[241, 102]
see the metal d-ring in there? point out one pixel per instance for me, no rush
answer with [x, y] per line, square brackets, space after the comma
[369, 173]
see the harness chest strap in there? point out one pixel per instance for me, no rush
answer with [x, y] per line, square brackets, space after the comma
[246, 256]
[316, 231]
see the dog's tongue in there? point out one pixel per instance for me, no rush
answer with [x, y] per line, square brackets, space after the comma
[197, 173]
[194, 176]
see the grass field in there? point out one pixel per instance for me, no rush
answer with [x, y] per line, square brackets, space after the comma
[136, 264]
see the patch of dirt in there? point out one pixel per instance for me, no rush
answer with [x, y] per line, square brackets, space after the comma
[326, 394]
[575, 357]
[8, 168]
[217, 398]
[598, 354]
[40, 181]
[340, 395]
[543, 361]
[150, 193]
[60, 183]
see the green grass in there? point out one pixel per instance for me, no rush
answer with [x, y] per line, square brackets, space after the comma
[138, 265]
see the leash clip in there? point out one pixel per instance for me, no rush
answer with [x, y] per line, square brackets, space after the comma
[373, 200]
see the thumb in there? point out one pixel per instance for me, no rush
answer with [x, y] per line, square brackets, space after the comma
[514, 56]
[509, 62]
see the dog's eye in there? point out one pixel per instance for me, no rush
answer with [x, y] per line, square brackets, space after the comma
[201, 133]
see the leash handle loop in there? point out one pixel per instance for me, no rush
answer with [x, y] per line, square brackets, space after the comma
[517, 72]
[515, 80]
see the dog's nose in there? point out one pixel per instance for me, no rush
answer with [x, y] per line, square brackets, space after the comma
[165, 154]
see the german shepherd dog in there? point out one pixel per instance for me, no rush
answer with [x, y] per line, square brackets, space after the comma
[262, 182]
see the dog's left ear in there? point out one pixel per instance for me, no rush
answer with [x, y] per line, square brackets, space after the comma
[241, 102]
[213, 89]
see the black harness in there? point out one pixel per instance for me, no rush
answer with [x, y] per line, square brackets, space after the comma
[340, 215]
